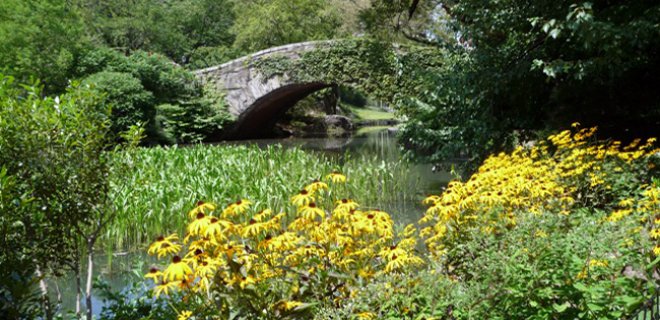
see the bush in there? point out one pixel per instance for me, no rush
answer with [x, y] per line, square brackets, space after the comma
[566, 229]
[197, 120]
[131, 103]
[53, 182]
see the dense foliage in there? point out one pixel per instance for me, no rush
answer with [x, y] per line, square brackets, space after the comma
[266, 24]
[54, 174]
[516, 69]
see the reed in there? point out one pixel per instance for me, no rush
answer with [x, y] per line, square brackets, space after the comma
[165, 183]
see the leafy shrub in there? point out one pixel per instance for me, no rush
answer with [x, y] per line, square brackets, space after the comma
[55, 173]
[199, 119]
[565, 229]
[131, 103]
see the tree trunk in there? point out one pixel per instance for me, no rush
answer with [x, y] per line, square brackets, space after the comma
[45, 300]
[78, 287]
[90, 273]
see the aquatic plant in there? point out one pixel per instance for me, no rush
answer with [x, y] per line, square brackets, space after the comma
[166, 181]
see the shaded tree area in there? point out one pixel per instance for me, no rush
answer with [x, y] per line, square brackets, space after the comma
[516, 69]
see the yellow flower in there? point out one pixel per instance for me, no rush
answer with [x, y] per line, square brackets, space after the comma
[246, 281]
[303, 198]
[655, 233]
[216, 228]
[656, 250]
[154, 274]
[236, 208]
[316, 185]
[164, 246]
[184, 315]
[366, 315]
[336, 177]
[253, 228]
[541, 234]
[177, 270]
[311, 211]
[164, 288]
[201, 207]
[346, 205]
[288, 305]
[598, 263]
[199, 225]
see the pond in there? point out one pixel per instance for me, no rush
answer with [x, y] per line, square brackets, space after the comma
[121, 269]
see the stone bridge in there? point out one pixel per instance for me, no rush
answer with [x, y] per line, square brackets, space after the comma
[255, 100]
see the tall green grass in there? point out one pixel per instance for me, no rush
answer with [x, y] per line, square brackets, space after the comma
[165, 183]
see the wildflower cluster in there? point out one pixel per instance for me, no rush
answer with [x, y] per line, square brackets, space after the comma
[548, 177]
[279, 261]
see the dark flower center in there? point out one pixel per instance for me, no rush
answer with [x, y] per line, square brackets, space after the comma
[199, 203]
[176, 259]
[198, 252]
[312, 205]
[153, 270]
[304, 192]
[344, 200]
[214, 220]
[200, 216]
[161, 238]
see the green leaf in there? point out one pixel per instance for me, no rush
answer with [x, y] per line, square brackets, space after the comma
[561, 307]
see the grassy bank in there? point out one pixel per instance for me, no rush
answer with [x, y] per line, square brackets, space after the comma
[167, 182]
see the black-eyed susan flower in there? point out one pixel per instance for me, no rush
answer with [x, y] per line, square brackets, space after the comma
[164, 246]
[655, 233]
[336, 177]
[316, 185]
[288, 305]
[216, 228]
[303, 198]
[311, 211]
[164, 288]
[154, 274]
[345, 205]
[177, 270]
[656, 250]
[253, 228]
[202, 207]
[184, 315]
[199, 225]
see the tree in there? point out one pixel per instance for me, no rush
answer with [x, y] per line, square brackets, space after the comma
[55, 166]
[172, 28]
[262, 24]
[41, 39]
[517, 69]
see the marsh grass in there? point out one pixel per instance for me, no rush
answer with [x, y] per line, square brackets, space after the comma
[165, 183]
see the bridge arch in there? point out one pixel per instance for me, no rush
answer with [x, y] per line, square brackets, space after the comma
[260, 87]
[256, 100]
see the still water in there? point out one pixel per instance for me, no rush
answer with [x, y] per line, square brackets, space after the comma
[121, 269]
